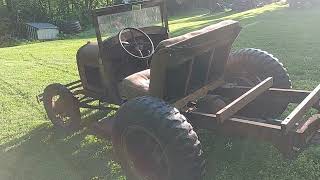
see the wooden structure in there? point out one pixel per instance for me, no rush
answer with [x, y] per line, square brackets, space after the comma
[42, 31]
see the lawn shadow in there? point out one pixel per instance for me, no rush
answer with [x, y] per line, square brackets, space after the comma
[237, 158]
[50, 153]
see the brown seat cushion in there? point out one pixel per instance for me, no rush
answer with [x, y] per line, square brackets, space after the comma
[135, 85]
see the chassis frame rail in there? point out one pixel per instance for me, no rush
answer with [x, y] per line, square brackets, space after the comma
[237, 126]
[85, 98]
[244, 100]
[289, 135]
[297, 114]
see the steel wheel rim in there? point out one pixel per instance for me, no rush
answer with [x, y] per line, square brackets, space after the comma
[61, 110]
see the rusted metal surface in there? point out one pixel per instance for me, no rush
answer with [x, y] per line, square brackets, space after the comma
[305, 134]
[70, 86]
[73, 83]
[285, 95]
[244, 128]
[243, 100]
[293, 141]
[182, 103]
[172, 54]
[252, 128]
[298, 113]
[220, 58]
[212, 58]
[187, 83]
[311, 122]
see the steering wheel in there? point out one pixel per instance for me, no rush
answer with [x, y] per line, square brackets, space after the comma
[137, 46]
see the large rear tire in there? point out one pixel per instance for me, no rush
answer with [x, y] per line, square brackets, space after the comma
[154, 141]
[248, 67]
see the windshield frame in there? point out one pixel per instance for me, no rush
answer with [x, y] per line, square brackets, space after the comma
[105, 64]
[125, 8]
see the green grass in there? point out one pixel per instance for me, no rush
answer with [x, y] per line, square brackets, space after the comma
[31, 149]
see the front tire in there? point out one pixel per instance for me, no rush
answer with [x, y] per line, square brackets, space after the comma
[154, 141]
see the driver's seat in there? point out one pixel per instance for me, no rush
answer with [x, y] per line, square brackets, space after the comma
[135, 85]
[138, 84]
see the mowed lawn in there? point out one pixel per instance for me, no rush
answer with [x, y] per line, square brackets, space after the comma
[31, 149]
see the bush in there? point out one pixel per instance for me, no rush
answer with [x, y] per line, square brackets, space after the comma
[5, 26]
[215, 5]
[6, 33]
[54, 11]
[7, 41]
[303, 3]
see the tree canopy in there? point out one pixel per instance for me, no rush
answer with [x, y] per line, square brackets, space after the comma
[57, 11]
[54, 10]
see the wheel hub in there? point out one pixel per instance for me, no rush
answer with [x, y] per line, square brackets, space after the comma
[61, 110]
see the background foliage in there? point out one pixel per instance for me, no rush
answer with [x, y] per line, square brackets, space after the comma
[13, 13]
[56, 11]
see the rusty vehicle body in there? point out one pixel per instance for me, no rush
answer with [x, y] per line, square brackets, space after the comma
[183, 70]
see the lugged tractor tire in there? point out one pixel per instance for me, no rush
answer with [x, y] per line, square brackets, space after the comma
[60, 103]
[152, 140]
[248, 67]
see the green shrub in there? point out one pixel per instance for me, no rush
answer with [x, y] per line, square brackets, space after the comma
[55, 11]
[7, 41]
[5, 33]
[5, 26]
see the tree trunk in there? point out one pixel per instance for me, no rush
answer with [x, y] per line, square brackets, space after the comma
[9, 5]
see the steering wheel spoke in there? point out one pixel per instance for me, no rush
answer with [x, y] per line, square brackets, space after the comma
[140, 52]
[137, 46]
[126, 43]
